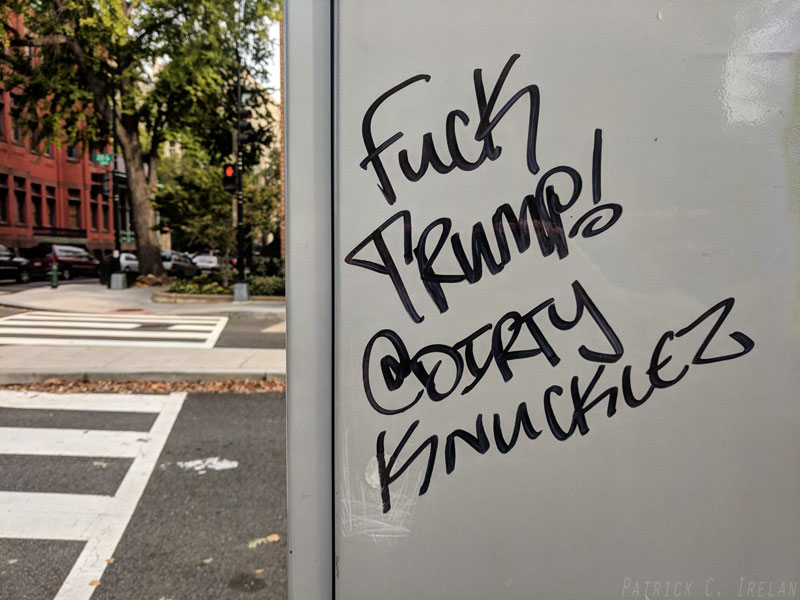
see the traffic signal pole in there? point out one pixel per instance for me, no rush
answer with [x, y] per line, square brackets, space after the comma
[241, 292]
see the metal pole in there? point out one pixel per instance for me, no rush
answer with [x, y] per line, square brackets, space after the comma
[115, 277]
[239, 167]
[115, 187]
[241, 293]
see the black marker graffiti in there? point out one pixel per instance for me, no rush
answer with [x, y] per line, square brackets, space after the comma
[540, 212]
[582, 398]
[520, 329]
[395, 380]
[488, 120]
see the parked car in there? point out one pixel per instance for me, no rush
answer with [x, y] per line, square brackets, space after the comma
[178, 264]
[13, 267]
[128, 262]
[206, 262]
[72, 261]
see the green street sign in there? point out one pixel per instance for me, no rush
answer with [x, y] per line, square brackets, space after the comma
[102, 159]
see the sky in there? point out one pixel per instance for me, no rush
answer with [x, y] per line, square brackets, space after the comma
[274, 63]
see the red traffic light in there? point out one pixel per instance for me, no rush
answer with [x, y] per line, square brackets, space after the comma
[229, 178]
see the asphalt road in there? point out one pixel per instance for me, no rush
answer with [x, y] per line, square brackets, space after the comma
[242, 332]
[196, 533]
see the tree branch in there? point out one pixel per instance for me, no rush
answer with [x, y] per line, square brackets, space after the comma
[128, 7]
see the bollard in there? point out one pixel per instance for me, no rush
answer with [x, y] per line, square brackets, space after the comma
[53, 275]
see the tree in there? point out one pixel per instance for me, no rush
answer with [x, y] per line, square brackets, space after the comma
[159, 66]
[191, 199]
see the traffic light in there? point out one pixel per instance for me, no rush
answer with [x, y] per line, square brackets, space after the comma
[246, 131]
[229, 178]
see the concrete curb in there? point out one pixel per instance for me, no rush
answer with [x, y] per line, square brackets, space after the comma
[38, 376]
[173, 298]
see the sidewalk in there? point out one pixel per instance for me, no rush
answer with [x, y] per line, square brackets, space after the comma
[96, 298]
[31, 363]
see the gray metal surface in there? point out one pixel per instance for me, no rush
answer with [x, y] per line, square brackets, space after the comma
[683, 116]
[308, 293]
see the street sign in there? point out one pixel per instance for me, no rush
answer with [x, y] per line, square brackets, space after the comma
[102, 159]
[544, 312]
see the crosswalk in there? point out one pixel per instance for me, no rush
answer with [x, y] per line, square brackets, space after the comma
[97, 519]
[82, 329]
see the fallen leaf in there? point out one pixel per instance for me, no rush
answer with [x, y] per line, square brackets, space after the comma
[94, 582]
[258, 571]
[13, 561]
[273, 537]
[99, 463]
[207, 561]
[256, 543]
[142, 386]
[110, 560]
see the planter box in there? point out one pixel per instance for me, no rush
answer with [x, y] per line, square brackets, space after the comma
[172, 298]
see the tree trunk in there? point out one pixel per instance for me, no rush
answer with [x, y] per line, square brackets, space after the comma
[226, 261]
[144, 215]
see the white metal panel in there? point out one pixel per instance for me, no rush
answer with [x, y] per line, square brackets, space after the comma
[682, 120]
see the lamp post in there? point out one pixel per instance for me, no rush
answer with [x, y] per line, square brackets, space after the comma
[117, 280]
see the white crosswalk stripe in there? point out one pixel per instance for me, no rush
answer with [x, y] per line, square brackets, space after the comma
[97, 520]
[81, 329]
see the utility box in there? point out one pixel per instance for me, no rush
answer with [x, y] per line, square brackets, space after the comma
[544, 307]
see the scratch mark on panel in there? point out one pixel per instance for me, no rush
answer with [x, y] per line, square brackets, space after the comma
[361, 508]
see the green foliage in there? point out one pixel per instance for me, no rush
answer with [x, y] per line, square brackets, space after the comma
[268, 266]
[199, 211]
[194, 203]
[171, 61]
[267, 286]
[169, 66]
[212, 284]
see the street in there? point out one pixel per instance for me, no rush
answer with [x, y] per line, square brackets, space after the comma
[47, 328]
[237, 331]
[192, 489]
[151, 496]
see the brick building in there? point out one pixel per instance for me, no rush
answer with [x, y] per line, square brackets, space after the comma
[50, 198]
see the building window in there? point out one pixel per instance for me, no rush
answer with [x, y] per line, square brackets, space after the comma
[36, 200]
[105, 217]
[34, 139]
[3, 198]
[74, 206]
[72, 152]
[22, 200]
[51, 206]
[95, 208]
[35, 144]
[16, 130]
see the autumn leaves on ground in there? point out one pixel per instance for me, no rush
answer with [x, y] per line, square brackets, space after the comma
[230, 386]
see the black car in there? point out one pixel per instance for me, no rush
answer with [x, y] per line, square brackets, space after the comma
[13, 267]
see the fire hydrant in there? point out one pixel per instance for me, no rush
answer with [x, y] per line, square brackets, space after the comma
[53, 275]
